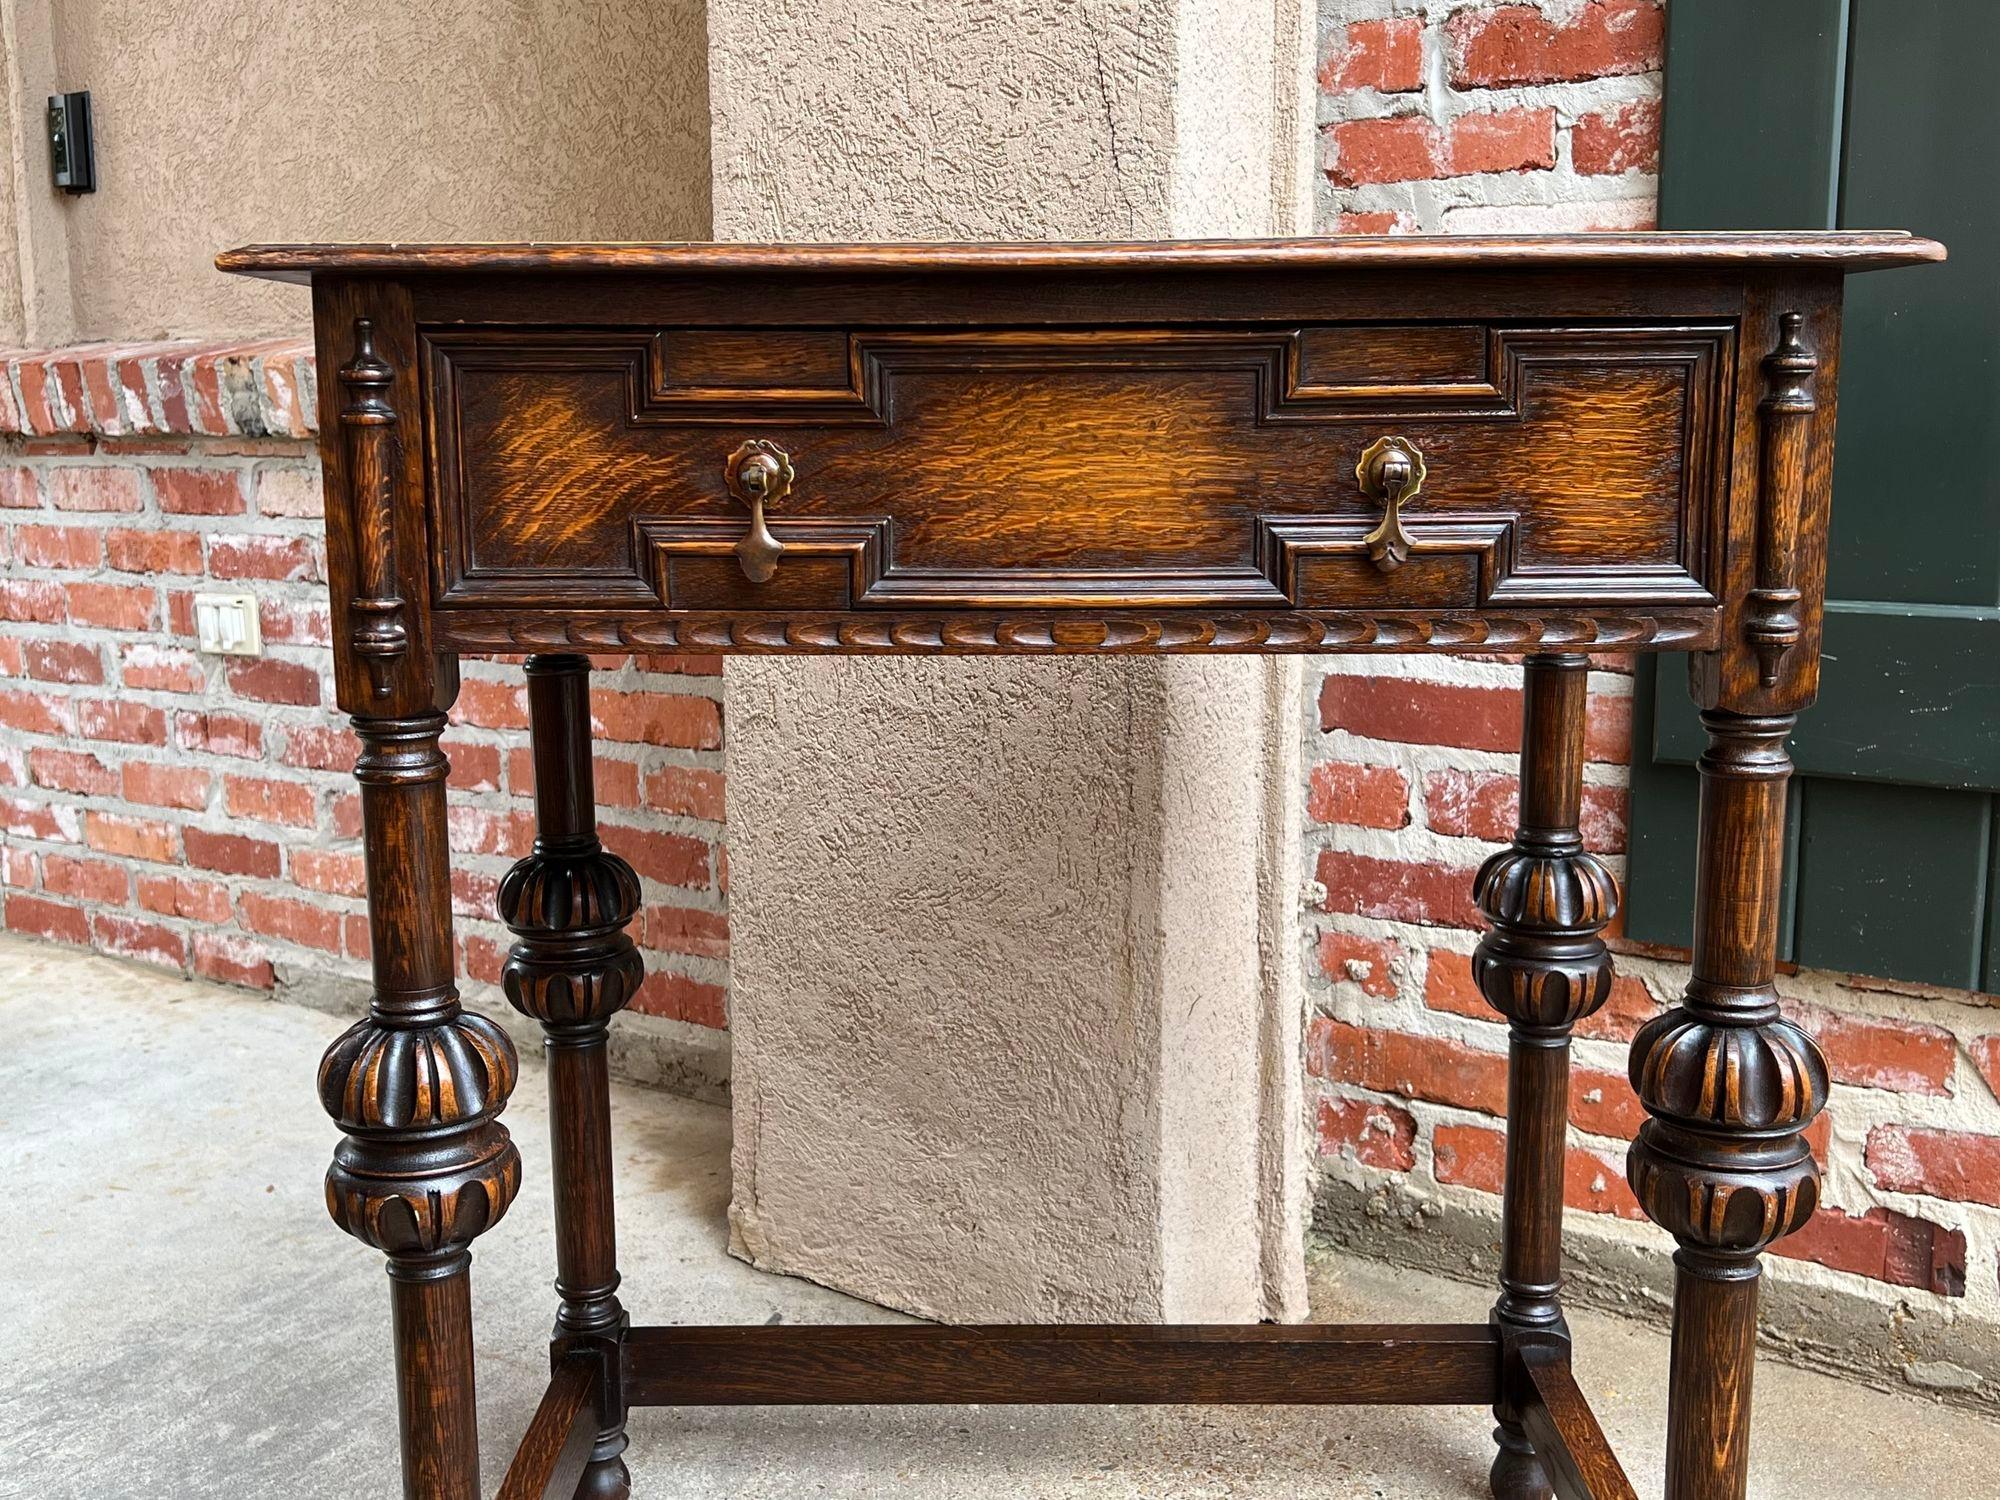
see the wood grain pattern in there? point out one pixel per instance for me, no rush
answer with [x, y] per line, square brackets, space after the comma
[1252, 1364]
[573, 967]
[1581, 1465]
[1847, 251]
[1771, 620]
[1544, 967]
[417, 1086]
[1790, 517]
[549, 1463]
[1729, 1086]
[369, 422]
[1126, 469]
[430, 1300]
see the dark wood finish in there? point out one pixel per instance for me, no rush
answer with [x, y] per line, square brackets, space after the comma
[368, 423]
[1079, 448]
[550, 1462]
[1074, 468]
[1563, 1430]
[1042, 633]
[1856, 251]
[573, 967]
[417, 1087]
[1730, 1086]
[1248, 1365]
[1598, 443]
[431, 1314]
[1544, 967]
[1771, 623]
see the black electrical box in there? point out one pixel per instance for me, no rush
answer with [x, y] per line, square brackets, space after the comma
[71, 160]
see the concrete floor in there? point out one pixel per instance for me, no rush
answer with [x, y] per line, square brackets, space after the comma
[178, 1318]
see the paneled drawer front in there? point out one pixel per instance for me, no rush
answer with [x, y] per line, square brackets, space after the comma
[1037, 469]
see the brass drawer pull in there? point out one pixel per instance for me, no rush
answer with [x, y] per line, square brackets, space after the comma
[1391, 470]
[759, 474]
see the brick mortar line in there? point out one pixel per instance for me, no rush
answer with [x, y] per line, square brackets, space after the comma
[1420, 1181]
[281, 886]
[1571, 99]
[1969, 1012]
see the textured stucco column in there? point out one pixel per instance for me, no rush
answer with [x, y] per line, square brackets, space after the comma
[1014, 959]
[36, 307]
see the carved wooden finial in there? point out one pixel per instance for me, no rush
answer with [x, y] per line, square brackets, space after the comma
[377, 634]
[1771, 621]
[367, 376]
[1789, 369]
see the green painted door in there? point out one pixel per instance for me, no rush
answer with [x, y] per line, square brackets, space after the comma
[1856, 114]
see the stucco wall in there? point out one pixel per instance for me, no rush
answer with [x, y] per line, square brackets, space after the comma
[1014, 1013]
[226, 121]
[1039, 120]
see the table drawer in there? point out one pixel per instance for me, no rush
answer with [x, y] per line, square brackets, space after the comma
[1200, 468]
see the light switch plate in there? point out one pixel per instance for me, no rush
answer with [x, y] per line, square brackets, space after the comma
[227, 625]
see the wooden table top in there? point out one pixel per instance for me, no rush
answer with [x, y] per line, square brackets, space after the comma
[1404, 443]
[1850, 250]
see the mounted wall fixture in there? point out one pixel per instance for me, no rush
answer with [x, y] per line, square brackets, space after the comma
[72, 155]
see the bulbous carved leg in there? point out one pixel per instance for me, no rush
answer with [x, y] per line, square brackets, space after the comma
[1544, 967]
[572, 968]
[417, 1087]
[1722, 1164]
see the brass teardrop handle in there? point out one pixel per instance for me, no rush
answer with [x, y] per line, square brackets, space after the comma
[1391, 471]
[759, 474]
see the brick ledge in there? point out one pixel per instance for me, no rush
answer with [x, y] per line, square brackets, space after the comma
[174, 388]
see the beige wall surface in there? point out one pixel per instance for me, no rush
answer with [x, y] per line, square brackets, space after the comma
[221, 122]
[1031, 119]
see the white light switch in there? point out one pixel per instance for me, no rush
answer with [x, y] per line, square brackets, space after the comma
[227, 624]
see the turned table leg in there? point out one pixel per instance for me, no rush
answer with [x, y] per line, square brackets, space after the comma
[416, 1087]
[1543, 967]
[572, 968]
[1730, 1085]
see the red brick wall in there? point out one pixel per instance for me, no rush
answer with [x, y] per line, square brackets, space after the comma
[196, 811]
[1521, 117]
[1484, 118]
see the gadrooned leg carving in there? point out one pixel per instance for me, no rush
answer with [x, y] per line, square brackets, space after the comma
[1544, 967]
[417, 1087]
[573, 967]
[1722, 1164]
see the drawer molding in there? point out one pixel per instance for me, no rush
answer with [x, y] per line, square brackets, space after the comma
[849, 563]
[1285, 360]
[534, 456]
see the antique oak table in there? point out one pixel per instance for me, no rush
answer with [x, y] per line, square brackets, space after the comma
[1553, 446]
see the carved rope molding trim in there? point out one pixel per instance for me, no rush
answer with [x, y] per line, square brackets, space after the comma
[470, 630]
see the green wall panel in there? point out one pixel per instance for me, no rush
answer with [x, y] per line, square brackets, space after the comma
[1919, 349]
[1659, 878]
[1892, 881]
[1751, 135]
[1908, 693]
[1848, 113]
